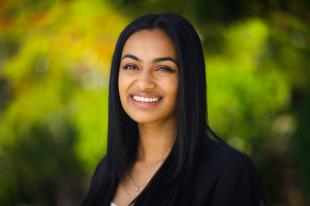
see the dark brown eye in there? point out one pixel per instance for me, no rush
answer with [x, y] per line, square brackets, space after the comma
[130, 67]
[164, 69]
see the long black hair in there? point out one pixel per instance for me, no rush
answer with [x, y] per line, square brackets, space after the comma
[169, 185]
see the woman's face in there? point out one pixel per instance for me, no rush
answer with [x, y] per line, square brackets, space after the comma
[149, 77]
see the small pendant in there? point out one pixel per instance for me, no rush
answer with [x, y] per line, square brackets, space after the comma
[137, 189]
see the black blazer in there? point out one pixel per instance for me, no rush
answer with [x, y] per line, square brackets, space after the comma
[226, 177]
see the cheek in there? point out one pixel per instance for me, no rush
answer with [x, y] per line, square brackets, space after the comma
[172, 87]
[124, 83]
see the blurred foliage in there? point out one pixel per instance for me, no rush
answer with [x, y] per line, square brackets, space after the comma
[54, 67]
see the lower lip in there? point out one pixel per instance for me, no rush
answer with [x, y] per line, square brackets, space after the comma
[145, 105]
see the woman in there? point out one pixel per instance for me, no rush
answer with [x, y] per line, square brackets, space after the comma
[160, 148]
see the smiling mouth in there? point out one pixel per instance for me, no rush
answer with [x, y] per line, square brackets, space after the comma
[146, 99]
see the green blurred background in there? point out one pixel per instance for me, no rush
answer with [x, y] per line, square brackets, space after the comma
[54, 67]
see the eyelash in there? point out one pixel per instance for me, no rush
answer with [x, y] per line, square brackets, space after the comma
[126, 66]
[166, 68]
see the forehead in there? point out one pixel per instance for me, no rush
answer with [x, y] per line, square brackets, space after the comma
[146, 43]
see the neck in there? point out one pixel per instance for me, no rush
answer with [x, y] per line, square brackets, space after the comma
[155, 140]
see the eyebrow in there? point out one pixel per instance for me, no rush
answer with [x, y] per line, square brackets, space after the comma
[156, 60]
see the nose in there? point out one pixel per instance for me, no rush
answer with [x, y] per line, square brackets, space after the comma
[146, 81]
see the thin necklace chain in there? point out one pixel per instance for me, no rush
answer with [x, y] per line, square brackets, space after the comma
[137, 187]
[125, 189]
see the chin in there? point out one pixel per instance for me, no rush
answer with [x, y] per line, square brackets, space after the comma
[145, 119]
[151, 118]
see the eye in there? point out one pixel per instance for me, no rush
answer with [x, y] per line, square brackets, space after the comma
[165, 69]
[130, 67]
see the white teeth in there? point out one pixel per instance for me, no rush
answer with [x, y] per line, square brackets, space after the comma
[145, 99]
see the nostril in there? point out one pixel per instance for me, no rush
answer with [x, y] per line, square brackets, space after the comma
[146, 84]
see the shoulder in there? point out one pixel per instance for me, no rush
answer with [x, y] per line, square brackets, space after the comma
[219, 156]
[226, 174]
[98, 173]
